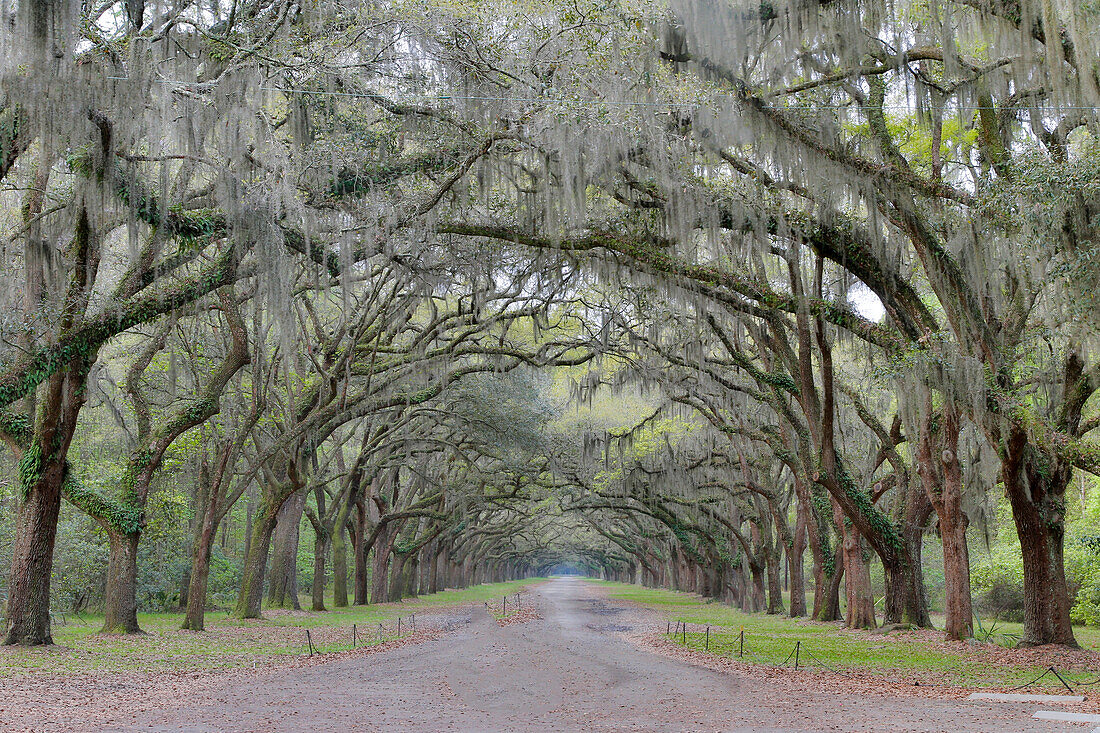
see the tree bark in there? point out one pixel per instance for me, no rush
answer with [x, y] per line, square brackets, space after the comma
[796, 569]
[250, 599]
[340, 557]
[317, 591]
[283, 585]
[860, 601]
[195, 618]
[28, 608]
[941, 475]
[120, 596]
[1036, 490]
[380, 569]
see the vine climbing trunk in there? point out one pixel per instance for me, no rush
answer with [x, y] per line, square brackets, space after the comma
[28, 610]
[43, 471]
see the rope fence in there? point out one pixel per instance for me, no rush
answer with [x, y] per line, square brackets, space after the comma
[802, 658]
[516, 605]
[400, 627]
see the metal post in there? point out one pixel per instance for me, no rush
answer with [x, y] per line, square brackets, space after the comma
[797, 648]
[398, 627]
[505, 607]
[741, 652]
[684, 633]
[353, 636]
[309, 643]
[708, 638]
[668, 628]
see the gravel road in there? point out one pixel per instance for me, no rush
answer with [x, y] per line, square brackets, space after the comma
[568, 671]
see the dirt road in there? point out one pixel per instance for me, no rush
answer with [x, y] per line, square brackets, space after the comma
[568, 671]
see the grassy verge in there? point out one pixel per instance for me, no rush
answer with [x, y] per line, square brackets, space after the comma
[917, 656]
[230, 643]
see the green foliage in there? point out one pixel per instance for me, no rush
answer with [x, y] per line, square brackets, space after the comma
[30, 468]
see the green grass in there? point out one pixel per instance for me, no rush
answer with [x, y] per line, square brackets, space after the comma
[904, 657]
[230, 643]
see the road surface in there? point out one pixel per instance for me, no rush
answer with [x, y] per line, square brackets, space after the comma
[569, 671]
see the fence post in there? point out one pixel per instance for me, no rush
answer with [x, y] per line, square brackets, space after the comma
[504, 612]
[684, 633]
[309, 643]
[708, 638]
[353, 636]
[741, 652]
[797, 648]
[398, 627]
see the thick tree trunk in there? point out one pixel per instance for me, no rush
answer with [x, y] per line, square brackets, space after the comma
[860, 601]
[58, 405]
[906, 602]
[959, 623]
[283, 586]
[1036, 492]
[398, 581]
[380, 568]
[250, 599]
[120, 596]
[28, 610]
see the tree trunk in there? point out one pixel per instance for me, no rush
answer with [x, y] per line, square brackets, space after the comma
[860, 613]
[340, 557]
[250, 599]
[282, 590]
[379, 571]
[796, 569]
[772, 569]
[320, 549]
[28, 610]
[397, 577]
[339, 569]
[195, 619]
[120, 596]
[830, 594]
[59, 401]
[1036, 489]
[906, 602]
[941, 475]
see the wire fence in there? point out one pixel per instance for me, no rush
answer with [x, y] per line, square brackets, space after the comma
[802, 657]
